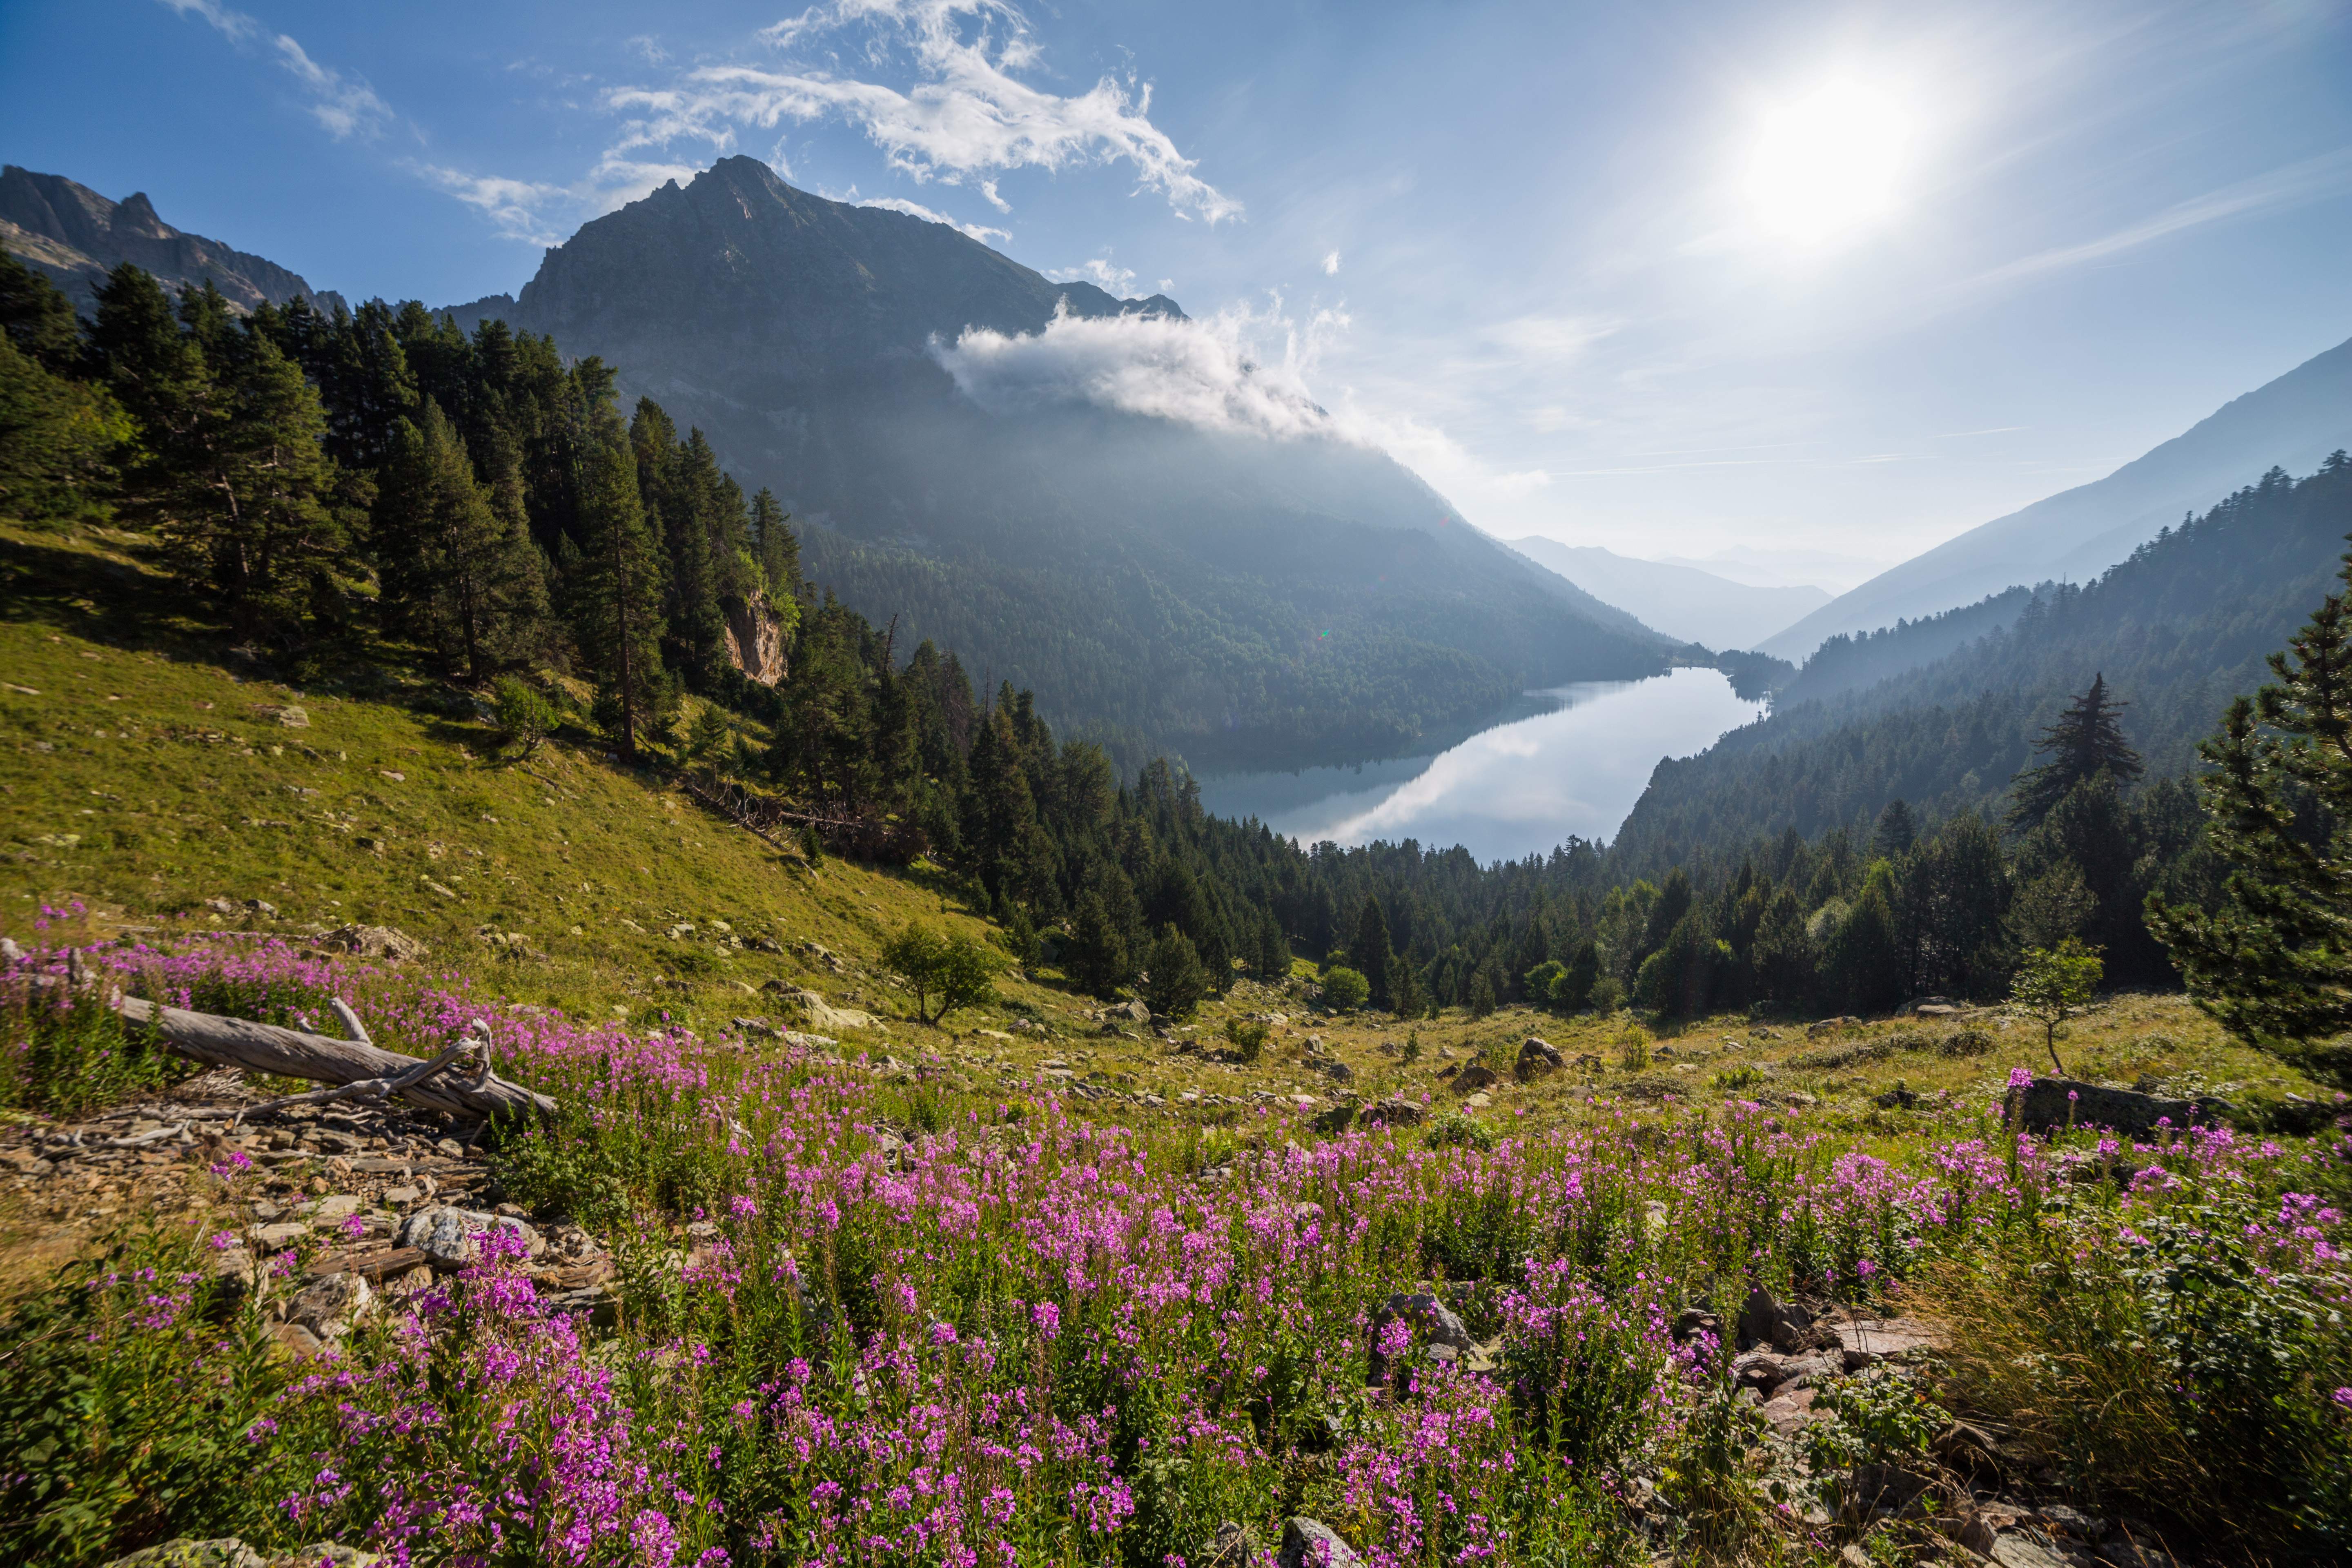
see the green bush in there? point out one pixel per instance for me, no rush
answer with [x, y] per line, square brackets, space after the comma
[1247, 1037]
[524, 717]
[946, 973]
[1344, 989]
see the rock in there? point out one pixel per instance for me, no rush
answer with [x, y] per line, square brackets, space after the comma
[1758, 1316]
[1335, 1070]
[755, 637]
[1827, 1026]
[593, 1301]
[374, 942]
[1392, 1112]
[1970, 1453]
[325, 1554]
[1983, 1526]
[1537, 1058]
[233, 1267]
[1876, 1340]
[1899, 1098]
[819, 1014]
[1788, 1412]
[228, 1551]
[261, 907]
[1867, 1490]
[2134, 1543]
[1229, 1548]
[278, 1237]
[1693, 1322]
[2045, 1105]
[451, 1237]
[328, 1305]
[1311, 1543]
[2032, 1548]
[1136, 1011]
[2072, 1522]
[1437, 1322]
[1474, 1077]
[1335, 1119]
[296, 1338]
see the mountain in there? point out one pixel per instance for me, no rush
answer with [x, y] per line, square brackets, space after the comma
[2179, 628]
[1678, 600]
[76, 236]
[1094, 497]
[2291, 423]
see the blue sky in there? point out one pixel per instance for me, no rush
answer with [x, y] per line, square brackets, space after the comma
[1674, 279]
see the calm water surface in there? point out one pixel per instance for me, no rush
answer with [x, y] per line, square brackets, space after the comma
[1518, 789]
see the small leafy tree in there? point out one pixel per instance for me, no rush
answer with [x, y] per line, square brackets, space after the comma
[1344, 989]
[1247, 1037]
[524, 717]
[2054, 984]
[955, 970]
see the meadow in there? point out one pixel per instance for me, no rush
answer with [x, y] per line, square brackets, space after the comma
[868, 1316]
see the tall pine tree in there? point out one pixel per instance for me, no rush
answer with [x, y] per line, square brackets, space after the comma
[615, 598]
[463, 572]
[2087, 741]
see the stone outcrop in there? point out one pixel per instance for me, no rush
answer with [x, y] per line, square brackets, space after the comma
[755, 638]
[2050, 1104]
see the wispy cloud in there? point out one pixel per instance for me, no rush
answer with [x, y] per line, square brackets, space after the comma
[345, 105]
[979, 232]
[967, 115]
[1331, 264]
[515, 206]
[2292, 185]
[1100, 271]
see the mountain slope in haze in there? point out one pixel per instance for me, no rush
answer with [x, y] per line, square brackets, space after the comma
[75, 236]
[1197, 584]
[1680, 601]
[2179, 628]
[2290, 423]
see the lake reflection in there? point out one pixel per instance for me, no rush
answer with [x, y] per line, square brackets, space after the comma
[1518, 789]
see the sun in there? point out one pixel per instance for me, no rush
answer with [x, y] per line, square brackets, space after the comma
[1828, 165]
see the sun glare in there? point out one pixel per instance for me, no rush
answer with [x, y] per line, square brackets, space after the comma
[1828, 164]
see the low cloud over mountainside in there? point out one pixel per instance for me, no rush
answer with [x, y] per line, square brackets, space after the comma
[1678, 600]
[75, 237]
[2291, 423]
[1101, 499]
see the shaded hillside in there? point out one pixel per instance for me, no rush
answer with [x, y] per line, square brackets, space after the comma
[1206, 585]
[1846, 662]
[2293, 422]
[2178, 629]
[75, 236]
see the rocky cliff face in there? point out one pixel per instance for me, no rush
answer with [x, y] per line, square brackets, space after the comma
[755, 638]
[76, 236]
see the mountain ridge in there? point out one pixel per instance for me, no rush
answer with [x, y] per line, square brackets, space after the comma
[2290, 421]
[74, 236]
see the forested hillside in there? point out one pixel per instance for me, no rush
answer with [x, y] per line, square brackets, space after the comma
[2178, 629]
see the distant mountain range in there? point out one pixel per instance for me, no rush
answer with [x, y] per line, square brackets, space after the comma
[76, 236]
[1090, 496]
[2291, 423]
[1681, 601]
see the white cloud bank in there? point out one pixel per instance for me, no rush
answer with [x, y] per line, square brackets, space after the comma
[1240, 372]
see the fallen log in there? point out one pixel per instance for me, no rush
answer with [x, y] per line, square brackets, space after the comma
[294, 1053]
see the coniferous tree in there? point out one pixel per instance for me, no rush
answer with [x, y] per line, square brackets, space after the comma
[251, 509]
[37, 318]
[2087, 741]
[1177, 981]
[466, 576]
[616, 598]
[1369, 954]
[2274, 963]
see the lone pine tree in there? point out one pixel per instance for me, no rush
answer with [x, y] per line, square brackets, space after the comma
[2087, 741]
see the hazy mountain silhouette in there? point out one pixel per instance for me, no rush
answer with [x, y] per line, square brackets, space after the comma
[1679, 600]
[2290, 423]
[76, 236]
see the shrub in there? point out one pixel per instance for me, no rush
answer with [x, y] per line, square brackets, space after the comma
[1178, 979]
[1247, 1037]
[524, 717]
[1345, 990]
[1459, 1129]
[1633, 1048]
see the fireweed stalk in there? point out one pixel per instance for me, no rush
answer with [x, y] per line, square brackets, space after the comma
[1007, 1334]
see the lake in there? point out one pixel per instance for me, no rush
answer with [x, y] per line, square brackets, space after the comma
[1519, 788]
